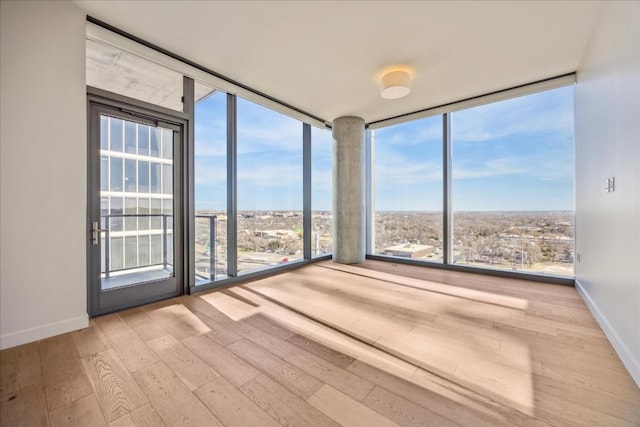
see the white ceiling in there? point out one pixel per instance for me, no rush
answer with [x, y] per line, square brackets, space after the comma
[324, 57]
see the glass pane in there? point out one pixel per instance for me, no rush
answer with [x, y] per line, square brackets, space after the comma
[513, 184]
[269, 187]
[104, 224]
[169, 242]
[143, 210]
[143, 250]
[138, 246]
[143, 176]
[156, 249]
[408, 190]
[115, 134]
[167, 179]
[210, 174]
[154, 150]
[156, 172]
[143, 140]
[130, 138]
[104, 133]
[321, 171]
[116, 213]
[117, 254]
[156, 211]
[104, 173]
[115, 173]
[131, 208]
[167, 144]
[131, 252]
[167, 206]
[104, 209]
[130, 175]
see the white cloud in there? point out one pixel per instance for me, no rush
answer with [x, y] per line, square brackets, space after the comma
[210, 176]
[544, 112]
[542, 166]
[270, 176]
[495, 167]
[260, 129]
[394, 168]
[417, 132]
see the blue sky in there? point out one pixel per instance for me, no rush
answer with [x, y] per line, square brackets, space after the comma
[269, 158]
[512, 155]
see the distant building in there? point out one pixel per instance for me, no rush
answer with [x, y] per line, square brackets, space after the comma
[276, 234]
[409, 250]
[136, 165]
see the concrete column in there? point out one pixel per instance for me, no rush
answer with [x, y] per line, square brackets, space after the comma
[349, 186]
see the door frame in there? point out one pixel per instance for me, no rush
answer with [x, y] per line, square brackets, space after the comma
[102, 302]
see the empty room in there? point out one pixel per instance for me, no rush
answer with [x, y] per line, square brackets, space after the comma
[319, 213]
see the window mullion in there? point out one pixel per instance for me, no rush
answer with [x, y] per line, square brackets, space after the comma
[232, 186]
[447, 182]
[306, 189]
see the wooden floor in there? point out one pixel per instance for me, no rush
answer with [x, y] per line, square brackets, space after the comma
[375, 344]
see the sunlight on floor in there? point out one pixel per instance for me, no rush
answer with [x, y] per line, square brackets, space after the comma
[434, 335]
[233, 308]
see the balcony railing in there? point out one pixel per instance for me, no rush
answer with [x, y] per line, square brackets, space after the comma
[166, 260]
[107, 240]
[212, 245]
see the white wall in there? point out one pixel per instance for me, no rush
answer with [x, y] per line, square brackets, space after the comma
[608, 145]
[43, 170]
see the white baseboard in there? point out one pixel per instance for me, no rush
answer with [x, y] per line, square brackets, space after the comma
[629, 360]
[25, 336]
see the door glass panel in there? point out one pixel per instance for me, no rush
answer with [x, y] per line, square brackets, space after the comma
[130, 137]
[130, 175]
[137, 205]
[115, 134]
[116, 173]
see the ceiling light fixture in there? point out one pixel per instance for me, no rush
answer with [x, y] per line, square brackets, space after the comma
[395, 84]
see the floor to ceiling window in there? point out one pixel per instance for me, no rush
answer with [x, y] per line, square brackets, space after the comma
[513, 184]
[210, 179]
[510, 186]
[269, 182]
[255, 191]
[408, 190]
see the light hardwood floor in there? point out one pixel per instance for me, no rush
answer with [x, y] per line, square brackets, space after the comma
[375, 344]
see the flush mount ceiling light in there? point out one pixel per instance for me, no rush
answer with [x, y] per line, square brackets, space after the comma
[395, 84]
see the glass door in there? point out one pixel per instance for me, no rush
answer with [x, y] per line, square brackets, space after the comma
[135, 237]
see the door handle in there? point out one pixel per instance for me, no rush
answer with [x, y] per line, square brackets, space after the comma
[95, 232]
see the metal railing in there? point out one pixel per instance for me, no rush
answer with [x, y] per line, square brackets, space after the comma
[107, 240]
[212, 244]
[165, 260]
